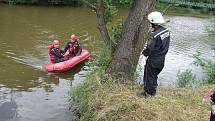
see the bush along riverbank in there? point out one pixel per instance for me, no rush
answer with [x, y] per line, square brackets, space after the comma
[185, 10]
[207, 65]
[101, 98]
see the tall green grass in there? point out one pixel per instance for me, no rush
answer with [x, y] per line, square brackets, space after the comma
[102, 98]
[100, 60]
[84, 94]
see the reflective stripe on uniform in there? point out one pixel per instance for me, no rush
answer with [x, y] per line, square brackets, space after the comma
[161, 33]
[164, 35]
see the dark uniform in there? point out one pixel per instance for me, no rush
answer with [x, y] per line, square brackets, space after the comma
[57, 55]
[212, 118]
[156, 50]
[73, 51]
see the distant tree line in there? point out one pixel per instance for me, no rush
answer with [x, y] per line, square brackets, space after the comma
[194, 1]
[200, 1]
[205, 4]
[44, 2]
[120, 3]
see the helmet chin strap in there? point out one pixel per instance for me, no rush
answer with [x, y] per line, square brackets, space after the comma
[154, 25]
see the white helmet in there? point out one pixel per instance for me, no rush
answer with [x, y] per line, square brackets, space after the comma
[156, 18]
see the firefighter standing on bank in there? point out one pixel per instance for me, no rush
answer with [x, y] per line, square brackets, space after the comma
[155, 50]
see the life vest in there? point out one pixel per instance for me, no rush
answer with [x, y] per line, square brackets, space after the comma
[52, 57]
[73, 47]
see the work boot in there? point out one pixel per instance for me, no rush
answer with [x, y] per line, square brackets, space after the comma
[150, 91]
[142, 94]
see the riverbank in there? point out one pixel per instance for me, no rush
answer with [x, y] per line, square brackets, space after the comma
[101, 98]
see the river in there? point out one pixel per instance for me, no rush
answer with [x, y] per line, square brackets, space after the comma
[28, 93]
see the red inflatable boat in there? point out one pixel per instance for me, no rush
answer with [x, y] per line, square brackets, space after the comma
[69, 64]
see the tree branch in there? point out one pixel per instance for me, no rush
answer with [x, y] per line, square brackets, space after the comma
[102, 25]
[100, 9]
[169, 6]
[89, 4]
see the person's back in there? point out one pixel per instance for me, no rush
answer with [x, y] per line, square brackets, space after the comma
[159, 43]
[155, 50]
[162, 37]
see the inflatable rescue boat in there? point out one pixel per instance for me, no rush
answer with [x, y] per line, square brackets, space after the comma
[69, 64]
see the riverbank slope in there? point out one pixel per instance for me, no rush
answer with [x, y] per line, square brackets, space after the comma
[101, 98]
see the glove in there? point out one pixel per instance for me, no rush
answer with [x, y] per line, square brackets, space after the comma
[213, 109]
[145, 46]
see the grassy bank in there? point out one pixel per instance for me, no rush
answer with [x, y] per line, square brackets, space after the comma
[101, 98]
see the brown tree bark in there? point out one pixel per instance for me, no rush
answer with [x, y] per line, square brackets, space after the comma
[99, 9]
[128, 50]
[127, 53]
[102, 25]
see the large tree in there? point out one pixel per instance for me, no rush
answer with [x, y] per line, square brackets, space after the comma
[127, 51]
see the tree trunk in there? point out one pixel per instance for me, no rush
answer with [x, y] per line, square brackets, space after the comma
[99, 9]
[128, 50]
[102, 25]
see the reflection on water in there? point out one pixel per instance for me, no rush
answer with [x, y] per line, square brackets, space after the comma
[27, 93]
[46, 100]
[41, 103]
[8, 108]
